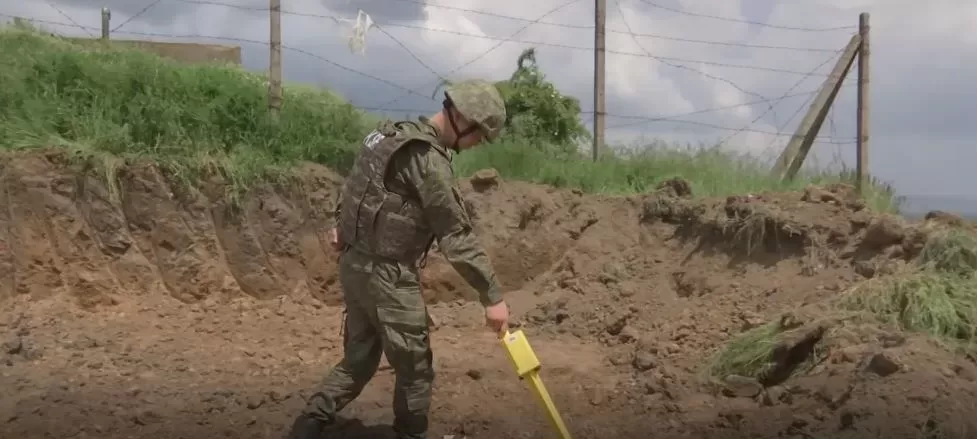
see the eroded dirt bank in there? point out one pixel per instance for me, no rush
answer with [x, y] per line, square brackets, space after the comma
[156, 311]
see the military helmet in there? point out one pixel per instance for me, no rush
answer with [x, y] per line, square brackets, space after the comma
[481, 103]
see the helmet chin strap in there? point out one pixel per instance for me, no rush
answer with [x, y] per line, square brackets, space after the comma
[454, 128]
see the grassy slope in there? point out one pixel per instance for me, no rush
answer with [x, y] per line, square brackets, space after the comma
[127, 103]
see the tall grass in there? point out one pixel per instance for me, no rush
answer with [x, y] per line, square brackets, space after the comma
[936, 296]
[711, 171]
[119, 102]
[129, 103]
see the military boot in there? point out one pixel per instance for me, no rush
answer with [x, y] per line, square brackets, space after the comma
[306, 427]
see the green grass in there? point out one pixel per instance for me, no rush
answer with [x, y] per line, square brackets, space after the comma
[747, 355]
[127, 103]
[936, 296]
[109, 103]
[711, 171]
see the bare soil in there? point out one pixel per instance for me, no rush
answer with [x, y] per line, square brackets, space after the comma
[158, 311]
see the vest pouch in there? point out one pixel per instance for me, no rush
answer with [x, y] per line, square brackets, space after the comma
[399, 237]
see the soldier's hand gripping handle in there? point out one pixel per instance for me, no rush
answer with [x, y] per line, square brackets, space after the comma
[497, 317]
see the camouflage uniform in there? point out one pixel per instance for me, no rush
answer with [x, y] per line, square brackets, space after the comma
[391, 209]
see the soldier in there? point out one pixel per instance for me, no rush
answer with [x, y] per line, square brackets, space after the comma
[400, 196]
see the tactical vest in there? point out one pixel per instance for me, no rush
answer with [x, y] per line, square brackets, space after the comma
[375, 220]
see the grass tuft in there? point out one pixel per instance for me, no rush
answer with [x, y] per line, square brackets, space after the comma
[936, 296]
[748, 354]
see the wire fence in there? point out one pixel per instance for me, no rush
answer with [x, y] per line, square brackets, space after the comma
[723, 122]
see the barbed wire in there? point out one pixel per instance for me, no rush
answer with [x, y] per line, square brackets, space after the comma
[638, 120]
[791, 89]
[555, 45]
[509, 17]
[632, 119]
[68, 17]
[145, 9]
[754, 23]
[411, 53]
[500, 43]
[624, 20]
[584, 26]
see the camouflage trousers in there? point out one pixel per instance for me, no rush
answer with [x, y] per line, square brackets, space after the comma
[385, 314]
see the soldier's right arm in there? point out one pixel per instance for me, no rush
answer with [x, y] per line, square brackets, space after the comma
[445, 212]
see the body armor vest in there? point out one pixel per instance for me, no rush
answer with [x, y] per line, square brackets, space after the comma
[375, 220]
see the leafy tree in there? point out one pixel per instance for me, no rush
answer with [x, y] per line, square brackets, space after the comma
[538, 112]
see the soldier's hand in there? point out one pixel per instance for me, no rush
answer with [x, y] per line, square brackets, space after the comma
[497, 317]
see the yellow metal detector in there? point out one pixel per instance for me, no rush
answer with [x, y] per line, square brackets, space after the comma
[527, 366]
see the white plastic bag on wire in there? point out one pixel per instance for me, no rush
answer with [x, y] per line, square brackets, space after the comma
[357, 38]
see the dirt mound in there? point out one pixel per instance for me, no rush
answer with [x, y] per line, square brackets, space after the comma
[149, 308]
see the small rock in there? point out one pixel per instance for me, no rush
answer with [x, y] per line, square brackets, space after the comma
[801, 420]
[254, 401]
[741, 387]
[13, 347]
[882, 365]
[689, 285]
[619, 359]
[885, 230]
[597, 396]
[749, 320]
[628, 334]
[607, 278]
[964, 371]
[146, 417]
[474, 374]
[846, 420]
[653, 386]
[773, 395]
[866, 269]
[617, 325]
[815, 194]
[892, 340]
[485, 179]
[644, 361]
[946, 218]
[276, 396]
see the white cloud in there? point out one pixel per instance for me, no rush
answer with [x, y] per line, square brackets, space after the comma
[921, 59]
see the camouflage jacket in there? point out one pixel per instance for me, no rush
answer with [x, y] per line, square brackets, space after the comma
[394, 205]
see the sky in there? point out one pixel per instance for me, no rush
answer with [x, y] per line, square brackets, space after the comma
[736, 71]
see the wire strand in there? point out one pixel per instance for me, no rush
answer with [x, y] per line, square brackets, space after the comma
[493, 48]
[754, 23]
[68, 17]
[474, 35]
[624, 19]
[796, 84]
[146, 8]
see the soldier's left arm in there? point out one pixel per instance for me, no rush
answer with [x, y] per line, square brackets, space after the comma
[445, 212]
